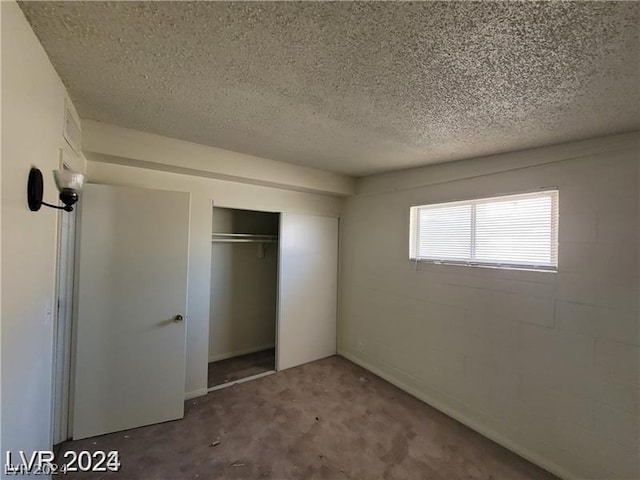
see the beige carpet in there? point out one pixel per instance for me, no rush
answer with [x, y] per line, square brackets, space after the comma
[328, 419]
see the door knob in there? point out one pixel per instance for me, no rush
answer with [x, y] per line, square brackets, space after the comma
[177, 319]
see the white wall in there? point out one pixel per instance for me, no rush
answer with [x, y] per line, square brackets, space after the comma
[243, 299]
[244, 284]
[206, 193]
[33, 100]
[544, 363]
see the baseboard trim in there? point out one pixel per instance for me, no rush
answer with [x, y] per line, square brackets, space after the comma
[464, 419]
[194, 394]
[237, 353]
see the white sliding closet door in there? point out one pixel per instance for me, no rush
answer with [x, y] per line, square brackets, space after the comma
[132, 285]
[308, 277]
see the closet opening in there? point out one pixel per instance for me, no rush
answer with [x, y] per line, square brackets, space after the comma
[244, 292]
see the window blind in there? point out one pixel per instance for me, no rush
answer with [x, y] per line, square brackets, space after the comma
[512, 231]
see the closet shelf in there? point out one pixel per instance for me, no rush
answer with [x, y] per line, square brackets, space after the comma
[243, 238]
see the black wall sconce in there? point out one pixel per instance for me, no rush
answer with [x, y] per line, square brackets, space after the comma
[69, 183]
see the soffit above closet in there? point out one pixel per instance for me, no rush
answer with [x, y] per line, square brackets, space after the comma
[355, 88]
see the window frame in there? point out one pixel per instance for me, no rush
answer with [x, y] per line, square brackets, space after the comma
[552, 192]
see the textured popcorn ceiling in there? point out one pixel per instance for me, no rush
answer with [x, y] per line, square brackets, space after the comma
[355, 88]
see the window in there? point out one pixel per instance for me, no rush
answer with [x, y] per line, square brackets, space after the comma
[513, 231]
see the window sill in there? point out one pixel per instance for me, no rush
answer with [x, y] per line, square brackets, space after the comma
[493, 266]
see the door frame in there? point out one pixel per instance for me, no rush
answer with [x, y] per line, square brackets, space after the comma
[215, 205]
[62, 348]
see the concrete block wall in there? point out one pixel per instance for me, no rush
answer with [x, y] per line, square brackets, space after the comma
[544, 363]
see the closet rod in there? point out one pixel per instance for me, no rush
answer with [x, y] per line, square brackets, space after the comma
[242, 240]
[243, 237]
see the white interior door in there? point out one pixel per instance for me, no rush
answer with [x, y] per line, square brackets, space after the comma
[132, 282]
[308, 277]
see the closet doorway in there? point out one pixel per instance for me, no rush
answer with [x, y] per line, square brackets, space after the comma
[244, 296]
